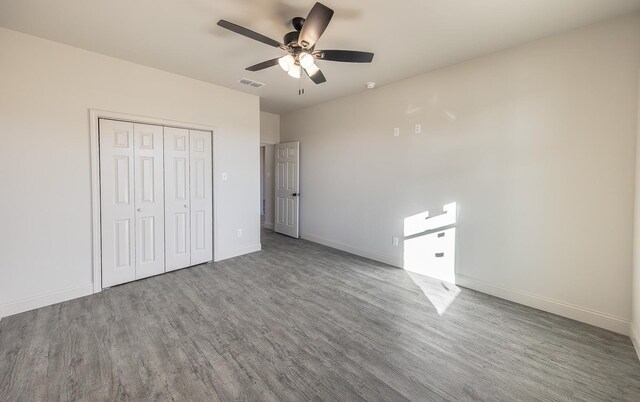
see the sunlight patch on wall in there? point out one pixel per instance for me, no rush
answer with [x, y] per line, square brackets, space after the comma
[429, 250]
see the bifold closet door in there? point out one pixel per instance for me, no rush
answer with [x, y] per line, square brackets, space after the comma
[117, 202]
[201, 188]
[149, 196]
[177, 216]
[132, 201]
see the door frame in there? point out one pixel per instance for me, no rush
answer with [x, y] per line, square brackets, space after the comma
[96, 229]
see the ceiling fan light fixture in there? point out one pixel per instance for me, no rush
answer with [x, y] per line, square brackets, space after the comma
[300, 45]
[306, 60]
[312, 70]
[286, 62]
[294, 71]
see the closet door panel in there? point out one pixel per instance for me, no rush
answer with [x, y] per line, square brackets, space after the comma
[117, 202]
[177, 193]
[201, 197]
[149, 200]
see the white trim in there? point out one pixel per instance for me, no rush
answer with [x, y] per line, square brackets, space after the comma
[241, 251]
[635, 340]
[94, 115]
[96, 251]
[567, 310]
[582, 314]
[47, 299]
[395, 261]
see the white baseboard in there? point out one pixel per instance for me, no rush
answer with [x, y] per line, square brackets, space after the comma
[602, 320]
[582, 314]
[241, 251]
[34, 302]
[395, 261]
[634, 334]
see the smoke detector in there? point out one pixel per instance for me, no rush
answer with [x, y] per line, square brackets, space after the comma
[370, 85]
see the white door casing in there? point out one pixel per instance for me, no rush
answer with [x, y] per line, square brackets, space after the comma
[122, 122]
[287, 188]
[149, 199]
[117, 202]
[201, 186]
[177, 216]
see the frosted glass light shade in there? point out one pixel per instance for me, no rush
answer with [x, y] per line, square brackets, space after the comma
[286, 62]
[294, 71]
[306, 60]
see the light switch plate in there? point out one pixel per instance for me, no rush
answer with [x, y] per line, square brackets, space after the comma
[225, 176]
[396, 132]
[394, 241]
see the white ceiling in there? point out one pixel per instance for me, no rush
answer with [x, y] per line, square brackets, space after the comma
[408, 37]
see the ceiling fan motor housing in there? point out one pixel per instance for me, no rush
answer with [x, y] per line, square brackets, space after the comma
[297, 23]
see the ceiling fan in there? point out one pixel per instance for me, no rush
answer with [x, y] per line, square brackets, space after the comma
[300, 45]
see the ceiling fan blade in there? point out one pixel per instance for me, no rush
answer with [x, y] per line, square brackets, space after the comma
[314, 25]
[318, 77]
[263, 65]
[347, 56]
[248, 33]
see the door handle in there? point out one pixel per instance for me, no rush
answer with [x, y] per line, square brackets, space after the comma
[185, 205]
[295, 195]
[139, 209]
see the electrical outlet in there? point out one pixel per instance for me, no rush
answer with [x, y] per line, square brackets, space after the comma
[396, 132]
[239, 232]
[394, 241]
[418, 128]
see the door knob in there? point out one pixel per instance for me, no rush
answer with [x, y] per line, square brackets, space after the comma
[295, 195]
[185, 205]
[139, 209]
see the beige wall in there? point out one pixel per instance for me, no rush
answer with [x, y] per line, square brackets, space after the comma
[269, 128]
[536, 144]
[46, 91]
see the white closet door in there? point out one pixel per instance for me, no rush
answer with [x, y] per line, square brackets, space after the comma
[201, 197]
[149, 196]
[176, 186]
[117, 202]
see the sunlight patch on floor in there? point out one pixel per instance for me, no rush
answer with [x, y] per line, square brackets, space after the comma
[440, 293]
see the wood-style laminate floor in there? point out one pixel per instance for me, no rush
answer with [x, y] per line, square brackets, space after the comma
[298, 321]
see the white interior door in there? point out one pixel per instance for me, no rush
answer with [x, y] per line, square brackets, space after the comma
[201, 186]
[287, 188]
[117, 202]
[177, 216]
[149, 199]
